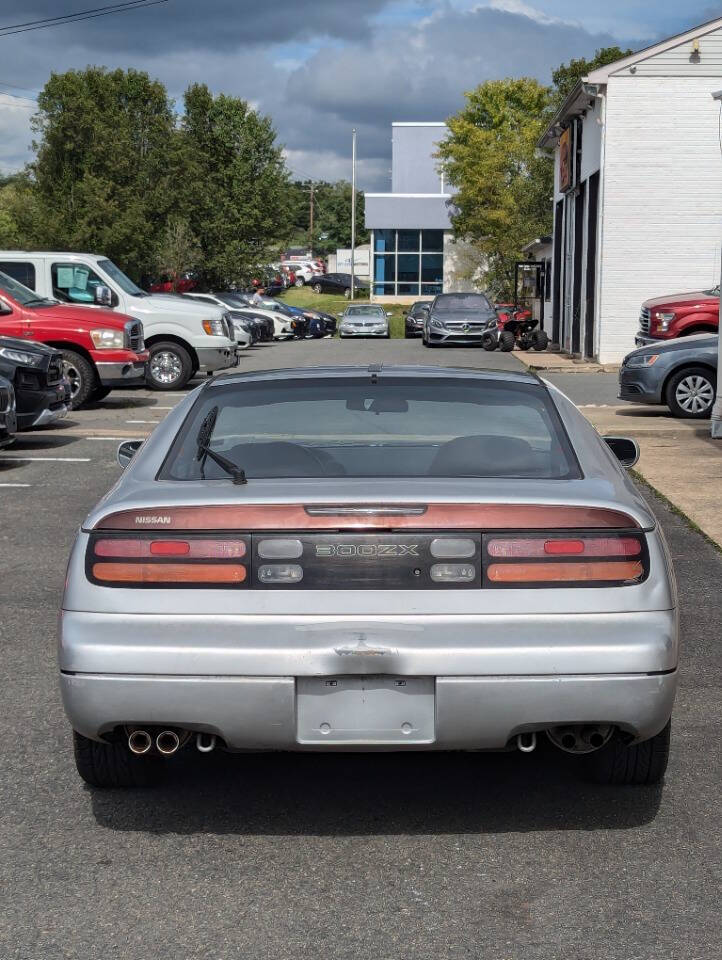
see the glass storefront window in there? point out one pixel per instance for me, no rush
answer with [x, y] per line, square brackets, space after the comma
[408, 269]
[432, 268]
[432, 241]
[408, 262]
[385, 241]
[384, 268]
[409, 240]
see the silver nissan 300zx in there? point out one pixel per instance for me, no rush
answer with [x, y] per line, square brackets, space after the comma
[367, 558]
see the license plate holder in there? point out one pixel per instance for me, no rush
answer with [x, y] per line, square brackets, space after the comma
[365, 710]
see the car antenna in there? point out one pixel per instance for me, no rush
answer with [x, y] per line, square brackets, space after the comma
[203, 441]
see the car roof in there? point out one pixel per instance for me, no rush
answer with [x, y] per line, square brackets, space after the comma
[375, 370]
[24, 254]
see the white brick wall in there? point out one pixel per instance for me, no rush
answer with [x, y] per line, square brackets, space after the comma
[662, 213]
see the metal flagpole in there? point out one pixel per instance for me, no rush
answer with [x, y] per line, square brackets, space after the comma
[353, 214]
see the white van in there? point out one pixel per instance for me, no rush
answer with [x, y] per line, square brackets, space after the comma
[182, 336]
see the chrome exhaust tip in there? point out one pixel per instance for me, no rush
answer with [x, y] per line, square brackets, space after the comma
[526, 742]
[167, 742]
[205, 742]
[140, 742]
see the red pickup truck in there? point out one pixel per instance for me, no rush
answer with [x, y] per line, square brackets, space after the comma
[101, 349]
[678, 315]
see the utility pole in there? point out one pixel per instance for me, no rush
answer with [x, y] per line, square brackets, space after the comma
[310, 220]
[353, 213]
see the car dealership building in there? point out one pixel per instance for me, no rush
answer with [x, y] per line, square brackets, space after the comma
[414, 253]
[637, 190]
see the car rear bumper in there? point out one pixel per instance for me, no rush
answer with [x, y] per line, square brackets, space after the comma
[494, 676]
[470, 713]
[122, 374]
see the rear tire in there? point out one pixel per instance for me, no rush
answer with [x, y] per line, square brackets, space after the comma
[169, 366]
[112, 764]
[489, 343]
[506, 341]
[636, 765]
[317, 288]
[539, 340]
[690, 393]
[347, 293]
[299, 282]
[82, 375]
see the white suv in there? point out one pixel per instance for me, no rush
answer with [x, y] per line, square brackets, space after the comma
[182, 336]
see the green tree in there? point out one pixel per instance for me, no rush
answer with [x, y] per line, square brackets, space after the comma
[103, 167]
[331, 215]
[503, 187]
[567, 75]
[179, 250]
[21, 218]
[234, 191]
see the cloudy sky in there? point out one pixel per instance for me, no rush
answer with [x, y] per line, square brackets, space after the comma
[320, 67]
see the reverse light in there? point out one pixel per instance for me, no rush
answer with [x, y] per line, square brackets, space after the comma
[280, 573]
[106, 339]
[453, 572]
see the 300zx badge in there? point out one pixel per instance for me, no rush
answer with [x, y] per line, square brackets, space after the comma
[367, 550]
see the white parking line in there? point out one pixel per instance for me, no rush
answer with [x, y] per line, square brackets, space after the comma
[142, 421]
[14, 484]
[45, 459]
[163, 408]
[115, 439]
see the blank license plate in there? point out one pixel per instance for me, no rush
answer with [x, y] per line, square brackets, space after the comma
[365, 710]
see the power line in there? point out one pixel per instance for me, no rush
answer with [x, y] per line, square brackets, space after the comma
[90, 14]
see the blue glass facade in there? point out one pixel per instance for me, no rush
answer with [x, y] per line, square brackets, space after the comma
[408, 262]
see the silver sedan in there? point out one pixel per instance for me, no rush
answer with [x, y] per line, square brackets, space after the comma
[359, 558]
[364, 320]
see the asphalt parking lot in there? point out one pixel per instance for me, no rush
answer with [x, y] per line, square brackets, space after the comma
[377, 856]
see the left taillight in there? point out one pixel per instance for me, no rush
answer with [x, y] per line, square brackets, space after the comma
[168, 561]
[570, 560]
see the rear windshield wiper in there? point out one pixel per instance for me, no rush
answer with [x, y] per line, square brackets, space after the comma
[204, 450]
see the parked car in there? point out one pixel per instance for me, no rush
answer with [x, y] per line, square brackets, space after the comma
[459, 318]
[182, 337]
[303, 272]
[681, 374]
[364, 320]
[100, 350]
[338, 283]
[8, 416]
[42, 393]
[282, 329]
[678, 315]
[245, 331]
[372, 559]
[414, 318]
[169, 282]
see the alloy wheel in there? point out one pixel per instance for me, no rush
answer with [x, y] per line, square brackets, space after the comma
[694, 394]
[165, 367]
[75, 378]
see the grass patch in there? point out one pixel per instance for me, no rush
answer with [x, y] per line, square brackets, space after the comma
[673, 508]
[328, 303]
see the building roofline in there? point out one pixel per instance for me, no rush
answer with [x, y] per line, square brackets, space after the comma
[588, 85]
[580, 98]
[445, 196]
[602, 74]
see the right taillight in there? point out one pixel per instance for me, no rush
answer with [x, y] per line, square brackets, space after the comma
[600, 559]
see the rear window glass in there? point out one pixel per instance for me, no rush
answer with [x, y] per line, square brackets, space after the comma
[396, 427]
[19, 270]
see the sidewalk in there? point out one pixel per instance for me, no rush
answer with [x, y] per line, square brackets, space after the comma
[678, 458]
[548, 362]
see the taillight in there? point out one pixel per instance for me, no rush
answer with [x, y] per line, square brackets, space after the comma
[167, 561]
[583, 560]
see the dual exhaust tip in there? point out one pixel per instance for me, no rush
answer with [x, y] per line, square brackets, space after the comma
[167, 742]
[571, 738]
